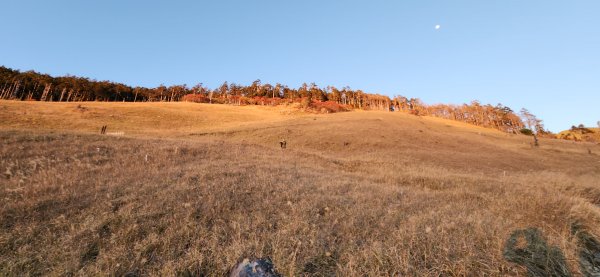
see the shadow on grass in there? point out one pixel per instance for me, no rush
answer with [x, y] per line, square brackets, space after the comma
[528, 248]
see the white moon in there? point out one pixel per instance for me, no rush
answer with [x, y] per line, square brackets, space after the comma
[437, 27]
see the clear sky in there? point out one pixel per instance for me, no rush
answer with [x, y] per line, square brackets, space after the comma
[542, 55]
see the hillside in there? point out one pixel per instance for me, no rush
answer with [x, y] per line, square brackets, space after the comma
[191, 188]
[581, 134]
[34, 86]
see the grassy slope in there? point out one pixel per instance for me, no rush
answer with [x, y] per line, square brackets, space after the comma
[382, 193]
[594, 136]
[151, 119]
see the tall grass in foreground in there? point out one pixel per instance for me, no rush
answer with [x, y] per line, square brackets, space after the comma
[87, 205]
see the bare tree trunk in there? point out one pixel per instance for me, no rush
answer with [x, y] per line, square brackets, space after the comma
[10, 90]
[3, 92]
[16, 91]
[30, 95]
[7, 92]
[62, 94]
[47, 88]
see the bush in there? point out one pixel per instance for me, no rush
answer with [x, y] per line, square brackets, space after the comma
[414, 112]
[305, 102]
[196, 98]
[270, 101]
[526, 132]
[328, 107]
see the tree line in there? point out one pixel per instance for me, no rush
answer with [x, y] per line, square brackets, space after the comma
[33, 86]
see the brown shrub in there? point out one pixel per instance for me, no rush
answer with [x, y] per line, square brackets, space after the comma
[328, 107]
[196, 98]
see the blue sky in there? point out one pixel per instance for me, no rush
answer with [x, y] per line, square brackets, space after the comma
[542, 55]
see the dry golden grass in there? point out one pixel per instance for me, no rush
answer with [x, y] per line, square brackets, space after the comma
[593, 136]
[152, 119]
[191, 188]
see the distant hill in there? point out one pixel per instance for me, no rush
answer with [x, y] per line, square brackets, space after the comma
[580, 134]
